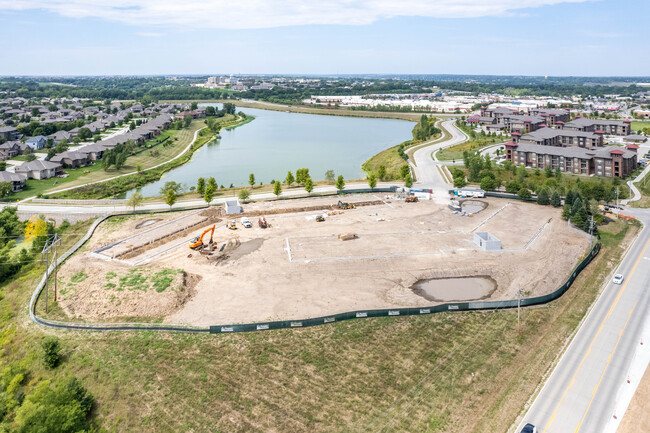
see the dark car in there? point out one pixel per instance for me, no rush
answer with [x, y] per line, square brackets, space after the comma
[529, 428]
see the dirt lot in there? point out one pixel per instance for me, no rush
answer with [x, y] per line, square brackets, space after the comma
[298, 268]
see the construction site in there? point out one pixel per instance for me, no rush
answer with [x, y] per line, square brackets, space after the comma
[302, 258]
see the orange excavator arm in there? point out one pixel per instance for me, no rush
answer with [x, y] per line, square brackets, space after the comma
[198, 241]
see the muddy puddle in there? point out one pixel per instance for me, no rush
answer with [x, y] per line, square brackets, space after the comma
[455, 289]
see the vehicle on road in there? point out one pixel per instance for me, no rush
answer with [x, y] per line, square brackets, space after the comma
[618, 279]
[529, 428]
[246, 222]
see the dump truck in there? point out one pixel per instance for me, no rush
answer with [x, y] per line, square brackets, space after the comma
[197, 242]
[411, 199]
[345, 205]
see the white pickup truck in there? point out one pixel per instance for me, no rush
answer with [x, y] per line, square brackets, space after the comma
[246, 222]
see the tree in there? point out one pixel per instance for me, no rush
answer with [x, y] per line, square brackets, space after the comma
[135, 200]
[543, 197]
[170, 198]
[301, 175]
[487, 183]
[330, 176]
[229, 108]
[171, 185]
[372, 181]
[340, 183]
[51, 352]
[210, 111]
[3, 165]
[200, 185]
[212, 183]
[244, 194]
[556, 201]
[194, 106]
[5, 189]
[30, 157]
[381, 172]
[289, 179]
[277, 188]
[309, 185]
[187, 120]
[512, 187]
[208, 194]
[548, 172]
[84, 133]
[408, 181]
[404, 171]
[36, 227]
[524, 193]
[251, 180]
[459, 181]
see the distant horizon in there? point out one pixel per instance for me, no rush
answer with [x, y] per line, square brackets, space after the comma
[320, 75]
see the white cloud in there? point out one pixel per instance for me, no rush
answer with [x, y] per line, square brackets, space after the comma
[244, 14]
[150, 34]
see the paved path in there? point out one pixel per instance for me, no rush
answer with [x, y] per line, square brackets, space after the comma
[428, 171]
[635, 191]
[585, 388]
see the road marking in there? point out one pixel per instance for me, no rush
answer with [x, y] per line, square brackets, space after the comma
[609, 358]
[602, 324]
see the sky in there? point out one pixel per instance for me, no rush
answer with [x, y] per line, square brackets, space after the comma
[312, 37]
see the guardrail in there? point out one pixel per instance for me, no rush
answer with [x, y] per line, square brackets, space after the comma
[291, 324]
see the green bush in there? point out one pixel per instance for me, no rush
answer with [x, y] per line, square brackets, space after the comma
[51, 352]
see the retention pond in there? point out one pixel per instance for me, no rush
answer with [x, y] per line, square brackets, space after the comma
[455, 289]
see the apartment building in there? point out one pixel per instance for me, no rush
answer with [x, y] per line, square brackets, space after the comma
[560, 137]
[609, 161]
[609, 127]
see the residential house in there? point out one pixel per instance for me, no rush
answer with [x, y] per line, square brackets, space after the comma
[71, 159]
[17, 180]
[36, 143]
[94, 151]
[9, 149]
[9, 133]
[39, 169]
[60, 135]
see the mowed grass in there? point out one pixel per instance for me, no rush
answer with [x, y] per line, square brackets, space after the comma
[455, 153]
[453, 372]
[638, 125]
[644, 188]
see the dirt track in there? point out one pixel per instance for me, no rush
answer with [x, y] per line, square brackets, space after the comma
[299, 268]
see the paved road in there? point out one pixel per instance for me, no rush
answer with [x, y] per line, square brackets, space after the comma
[428, 171]
[581, 393]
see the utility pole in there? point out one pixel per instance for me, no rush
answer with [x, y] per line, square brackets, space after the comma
[518, 307]
[591, 232]
[51, 244]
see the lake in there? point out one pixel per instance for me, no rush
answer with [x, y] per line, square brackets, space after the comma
[276, 142]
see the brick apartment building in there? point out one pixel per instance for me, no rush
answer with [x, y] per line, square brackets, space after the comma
[560, 137]
[608, 161]
[609, 127]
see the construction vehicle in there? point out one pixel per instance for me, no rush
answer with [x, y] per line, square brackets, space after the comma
[197, 242]
[262, 222]
[246, 222]
[320, 218]
[232, 225]
[345, 205]
[411, 199]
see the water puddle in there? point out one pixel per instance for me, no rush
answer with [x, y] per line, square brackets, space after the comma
[455, 289]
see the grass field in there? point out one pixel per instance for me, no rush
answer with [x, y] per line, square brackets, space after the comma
[454, 372]
[388, 158]
[638, 125]
[456, 152]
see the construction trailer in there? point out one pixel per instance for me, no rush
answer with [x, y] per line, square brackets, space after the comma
[469, 192]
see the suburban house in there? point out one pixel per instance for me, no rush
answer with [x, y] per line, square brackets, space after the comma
[39, 169]
[94, 151]
[60, 135]
[9, 149]
[36, 143]
[71, 159]
[17, 180]
[9, 133]
[610, 127]
[608, 161]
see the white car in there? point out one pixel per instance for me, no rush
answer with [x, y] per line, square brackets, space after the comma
[618, 279]
[246, 222]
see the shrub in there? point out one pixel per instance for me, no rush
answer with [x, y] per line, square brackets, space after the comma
[51, 352]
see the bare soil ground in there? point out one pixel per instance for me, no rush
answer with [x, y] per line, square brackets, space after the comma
[637, 416]
[298, 268]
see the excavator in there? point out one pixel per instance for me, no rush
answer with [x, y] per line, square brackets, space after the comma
[197, 242]
[345, 205]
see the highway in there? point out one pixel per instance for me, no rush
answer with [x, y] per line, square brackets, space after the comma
[582, 392]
